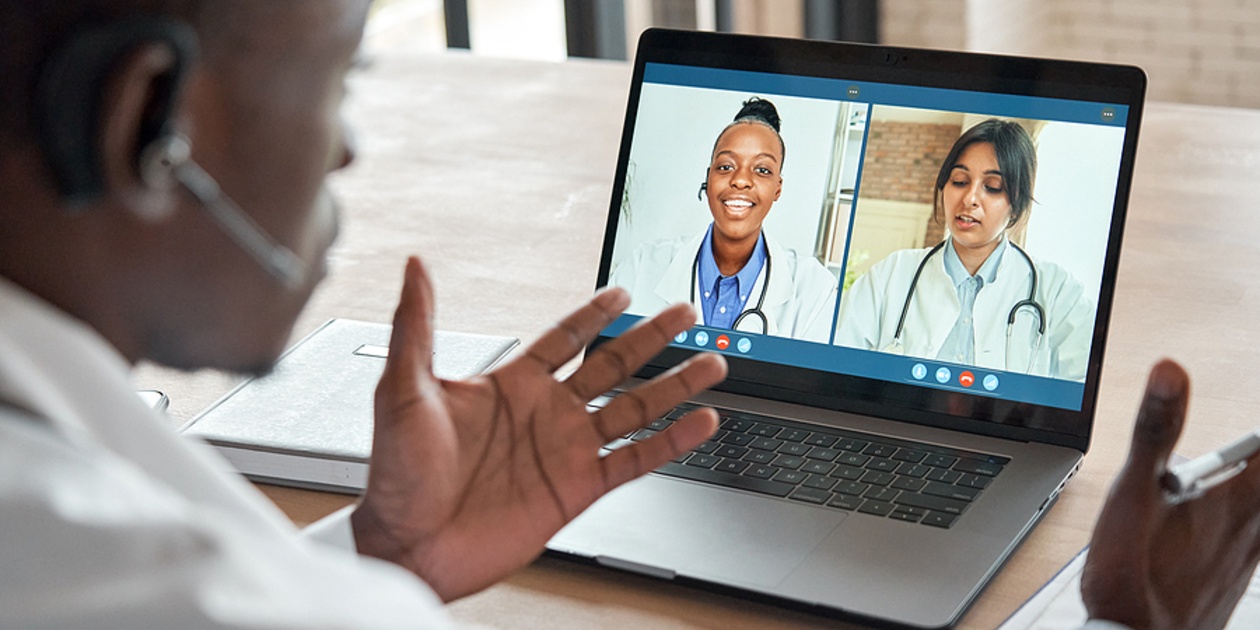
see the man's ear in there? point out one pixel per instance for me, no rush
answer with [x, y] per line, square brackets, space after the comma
[109, 86]
[136, 110]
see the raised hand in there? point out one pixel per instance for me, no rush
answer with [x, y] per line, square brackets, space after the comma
[470, 479]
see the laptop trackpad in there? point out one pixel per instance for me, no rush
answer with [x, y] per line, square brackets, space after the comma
[663, 526]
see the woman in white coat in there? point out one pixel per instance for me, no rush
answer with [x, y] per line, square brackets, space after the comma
[976, 298]
[723, 271]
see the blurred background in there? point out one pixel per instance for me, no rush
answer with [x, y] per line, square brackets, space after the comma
[1194, 51]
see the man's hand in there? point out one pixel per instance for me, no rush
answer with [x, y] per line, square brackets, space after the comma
[1158, 564]
[470, 479]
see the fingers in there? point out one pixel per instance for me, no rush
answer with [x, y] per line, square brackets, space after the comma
[1158, 426]
[618, 359]
[567, 338]
[641, 405]
[411, 341]
[642, 457]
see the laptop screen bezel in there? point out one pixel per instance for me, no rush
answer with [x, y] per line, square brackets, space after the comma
[997, 417]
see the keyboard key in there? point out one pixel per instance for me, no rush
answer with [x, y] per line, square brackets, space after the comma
[660, 424]
[851, 444]
[703, 461]
[855, 488]
[642, 434]
[731, 451]
[883, 465]
[793, 435]
[819, 439]
[853, 459]
[791, 476]
[943, 476]
[905, 516]
[879, 450]
[766, 444]
[706, 447]
[881, 494]
[738, 439]
[913, 470]
[878, 478]
[788, 461]
[825, 454]
[906, 509]
[977, 467]
[817, 467]
[908, 483]
[761, 471]
[848, 472]
[760, 457]
[939, 519]
[939, 461]
[821, 482]
[951, 492]
[878, 508]
[732, 466]
[681, 410]
[742, 482]
[792, 448]
[974, 481]
[737, 425]
[845, 502]
[933, 503]
[765, 430]
[909, 455]
[810, 495]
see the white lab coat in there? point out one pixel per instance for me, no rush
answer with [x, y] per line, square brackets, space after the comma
[800, 299]
[870, 308]
[110, 519]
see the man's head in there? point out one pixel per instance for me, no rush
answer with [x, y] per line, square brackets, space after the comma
[257, 93]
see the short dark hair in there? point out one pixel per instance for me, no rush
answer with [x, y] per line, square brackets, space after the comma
[30, 30]
[759, 111]
[1016, 157]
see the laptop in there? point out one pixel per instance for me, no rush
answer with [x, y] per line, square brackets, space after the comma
[861, 469]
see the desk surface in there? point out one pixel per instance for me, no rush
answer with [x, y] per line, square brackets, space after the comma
[499, 174]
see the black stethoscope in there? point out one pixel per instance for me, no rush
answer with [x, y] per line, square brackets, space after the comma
[1030, 303]
[752, 312]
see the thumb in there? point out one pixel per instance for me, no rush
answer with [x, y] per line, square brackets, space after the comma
[410, 361]
[1159, 424]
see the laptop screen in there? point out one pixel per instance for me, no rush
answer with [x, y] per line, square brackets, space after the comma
[881, 240]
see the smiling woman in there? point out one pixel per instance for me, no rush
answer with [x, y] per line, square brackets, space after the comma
[733, 273]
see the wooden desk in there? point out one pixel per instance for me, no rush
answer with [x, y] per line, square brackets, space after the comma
[499, 173]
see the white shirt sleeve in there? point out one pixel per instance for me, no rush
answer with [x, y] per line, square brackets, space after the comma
[334, 530]
[92, 541]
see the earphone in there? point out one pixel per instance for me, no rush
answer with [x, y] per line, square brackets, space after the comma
[68, 97]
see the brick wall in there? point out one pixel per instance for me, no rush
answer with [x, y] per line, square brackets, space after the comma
[902, 159]
[1193, 51]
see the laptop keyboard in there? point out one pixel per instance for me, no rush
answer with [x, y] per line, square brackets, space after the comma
[841, 469]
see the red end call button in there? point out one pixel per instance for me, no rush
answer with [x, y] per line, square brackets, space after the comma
[723, 342]
[966, 379]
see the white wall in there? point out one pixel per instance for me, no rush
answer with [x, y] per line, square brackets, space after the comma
[673, 140]
[1077, 167]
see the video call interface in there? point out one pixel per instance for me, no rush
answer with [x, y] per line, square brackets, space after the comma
[939, 238]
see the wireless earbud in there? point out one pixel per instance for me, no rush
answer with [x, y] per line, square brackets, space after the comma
[161, 157]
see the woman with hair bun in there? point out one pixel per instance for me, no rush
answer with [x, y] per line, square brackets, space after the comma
[723, 271]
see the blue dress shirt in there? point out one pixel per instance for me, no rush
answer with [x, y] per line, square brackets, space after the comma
[960, 345]
[722, 298]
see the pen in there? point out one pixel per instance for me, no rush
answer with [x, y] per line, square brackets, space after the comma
[1190, 478]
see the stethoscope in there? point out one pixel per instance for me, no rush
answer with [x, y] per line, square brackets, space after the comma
[1030, 303]
[752, 312]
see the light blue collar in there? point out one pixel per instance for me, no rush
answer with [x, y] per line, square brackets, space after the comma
[987, 271]
[744, 277]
